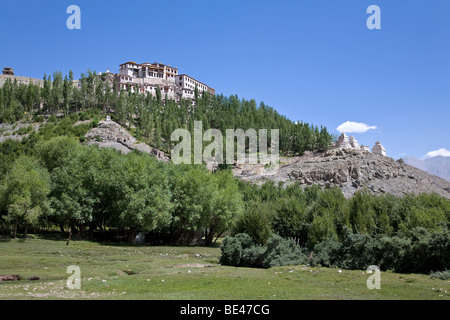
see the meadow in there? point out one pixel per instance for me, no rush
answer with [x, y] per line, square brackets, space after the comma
[122, 271]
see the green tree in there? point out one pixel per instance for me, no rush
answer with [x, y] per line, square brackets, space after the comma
[192, 195]
[56, 94]
[227, 205]
[291, 219]
[362, 215]
[56, 152]
[256, 222]
[25, 191]
[142, 196]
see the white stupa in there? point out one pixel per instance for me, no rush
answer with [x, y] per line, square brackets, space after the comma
[365, 148]
[343, 142]
[353, 142]
[379, 149]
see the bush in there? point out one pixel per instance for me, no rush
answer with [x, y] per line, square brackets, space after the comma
[253, 257]
[326, 254]
[39, 119]
[94, 122]
[232, 249]
[429, 251]
[74, 117]
[389, 252]
[422, 253]
[84, 116]
[52, 119]
[283, 252]
[24, 130]
[443, 275]
[240, 251]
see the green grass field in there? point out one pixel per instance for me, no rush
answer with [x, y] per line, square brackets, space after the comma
[120, 271]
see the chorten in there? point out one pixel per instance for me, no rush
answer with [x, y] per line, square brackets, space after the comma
[343, 142]
[353, 142]
[378, 149]
[365, 148]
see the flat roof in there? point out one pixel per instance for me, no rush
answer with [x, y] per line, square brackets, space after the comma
[179, 75]
[148, 63]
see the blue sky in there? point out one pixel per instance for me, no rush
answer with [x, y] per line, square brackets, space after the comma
[312, 60]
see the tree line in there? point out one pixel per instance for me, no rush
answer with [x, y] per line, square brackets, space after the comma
[86, 189]
[154, 118]
[312, 215]
[289, 225]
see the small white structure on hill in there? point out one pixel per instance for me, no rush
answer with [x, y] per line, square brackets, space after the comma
[354, 143]
[379, 149]
[351, 143]
[343, 142]
[365, 148]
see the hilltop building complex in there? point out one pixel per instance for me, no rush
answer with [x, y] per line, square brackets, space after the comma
[147, 77]
[144, 78]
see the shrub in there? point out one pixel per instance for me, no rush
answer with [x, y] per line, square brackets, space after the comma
[253, 256]
[94, 122]
[389, 252]
[74, 117]
[443, 275]
[428, 251]
[283, 252]
[24, 130]
[232, 249]
[83, 116]
[422, 252]
[52, 119]
[240, 251]
[326, 254]
[39, 119]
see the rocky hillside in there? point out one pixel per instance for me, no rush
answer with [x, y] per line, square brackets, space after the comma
[350, 170]
[111, 134]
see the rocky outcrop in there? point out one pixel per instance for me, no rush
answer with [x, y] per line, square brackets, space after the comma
[111, 134]
[353, 170]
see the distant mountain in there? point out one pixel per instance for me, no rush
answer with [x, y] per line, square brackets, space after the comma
[439, 166]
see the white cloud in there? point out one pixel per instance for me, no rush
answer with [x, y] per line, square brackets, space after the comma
[441, 152]
[357, 127]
